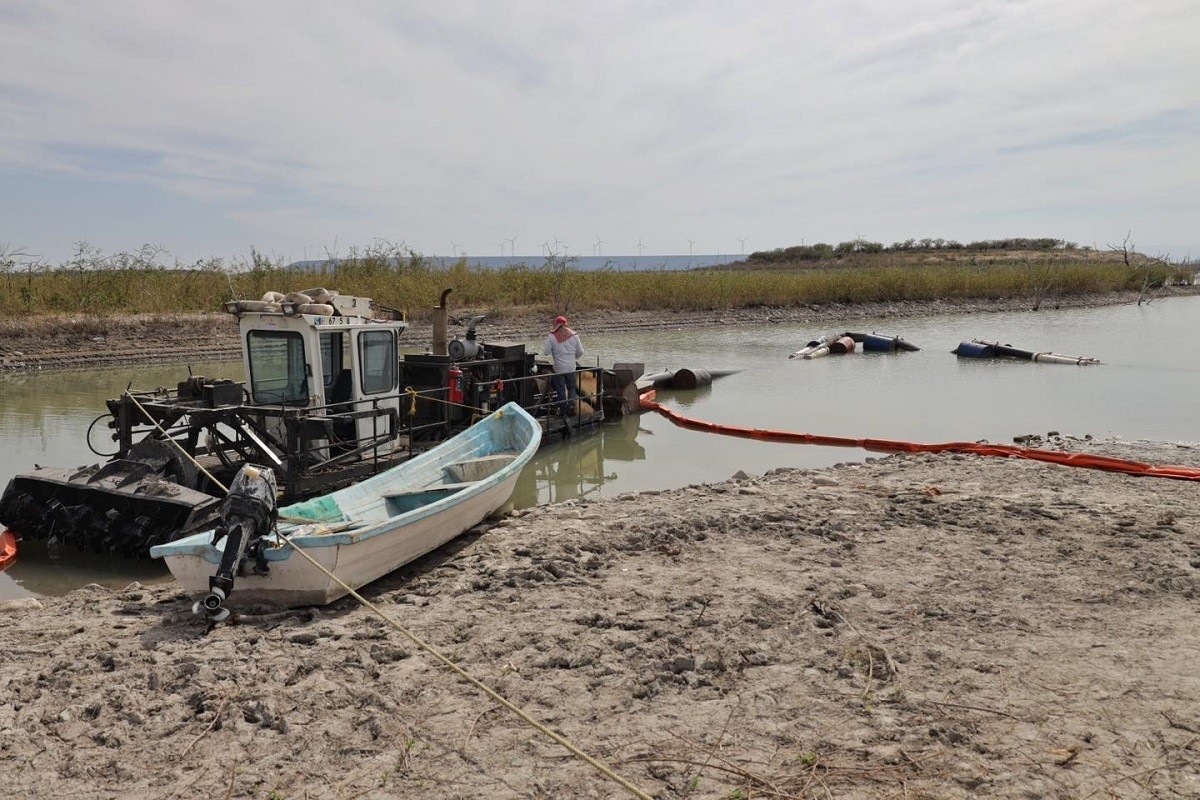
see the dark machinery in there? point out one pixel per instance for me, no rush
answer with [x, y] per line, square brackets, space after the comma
[478, 375]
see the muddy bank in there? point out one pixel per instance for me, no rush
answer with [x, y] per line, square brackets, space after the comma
[916, 626]
[86, 342]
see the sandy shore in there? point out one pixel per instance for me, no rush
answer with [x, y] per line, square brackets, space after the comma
[916, 626]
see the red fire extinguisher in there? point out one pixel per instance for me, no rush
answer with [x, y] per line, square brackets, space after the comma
[456, 384]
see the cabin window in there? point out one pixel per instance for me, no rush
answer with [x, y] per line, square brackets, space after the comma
[333, 356]
[377, 351]
[278, 371]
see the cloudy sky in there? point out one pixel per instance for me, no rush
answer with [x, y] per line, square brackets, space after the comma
[304, 128]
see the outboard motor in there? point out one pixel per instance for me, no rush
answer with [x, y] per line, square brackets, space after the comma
[247, 514]
[466, 349]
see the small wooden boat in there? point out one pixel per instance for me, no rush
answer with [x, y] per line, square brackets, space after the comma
[8, 549]
[364, 531]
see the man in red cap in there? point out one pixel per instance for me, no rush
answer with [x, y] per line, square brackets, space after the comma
[564, 348]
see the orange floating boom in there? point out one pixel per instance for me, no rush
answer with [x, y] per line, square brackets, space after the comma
[8, 549]
[891, 446]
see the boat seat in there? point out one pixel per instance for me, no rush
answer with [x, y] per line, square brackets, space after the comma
[476, 469]
[411, 499]
[437, 488]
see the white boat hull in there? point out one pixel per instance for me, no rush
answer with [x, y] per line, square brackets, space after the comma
[294, 581]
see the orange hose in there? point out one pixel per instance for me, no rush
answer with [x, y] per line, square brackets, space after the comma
[891, 446]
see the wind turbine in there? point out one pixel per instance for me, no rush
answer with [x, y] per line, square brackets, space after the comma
[501, 246]
[599, 246]
[640, 247]
[454, 249]
[546, 248]
[512, 246]
[743, 239]
[558, 244]
[691, 245]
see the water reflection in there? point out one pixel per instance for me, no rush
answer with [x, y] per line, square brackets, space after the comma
[580, 467]
[55, 572]
[685, 397]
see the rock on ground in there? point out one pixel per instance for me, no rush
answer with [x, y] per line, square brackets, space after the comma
[916, 626]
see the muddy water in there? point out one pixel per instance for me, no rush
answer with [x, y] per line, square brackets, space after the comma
[1146, 388]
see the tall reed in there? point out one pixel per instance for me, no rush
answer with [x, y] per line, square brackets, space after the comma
[128, 284]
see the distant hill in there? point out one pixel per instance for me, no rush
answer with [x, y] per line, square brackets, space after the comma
[927, 252]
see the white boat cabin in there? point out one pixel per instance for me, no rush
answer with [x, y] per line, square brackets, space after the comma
[329, 357]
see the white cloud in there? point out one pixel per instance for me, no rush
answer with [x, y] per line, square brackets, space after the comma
[472, 122]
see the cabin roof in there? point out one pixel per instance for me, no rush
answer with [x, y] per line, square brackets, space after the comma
[338, 311]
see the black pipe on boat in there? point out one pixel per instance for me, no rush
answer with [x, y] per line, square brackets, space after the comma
[691, 379]
[659, 380]
[685, 378]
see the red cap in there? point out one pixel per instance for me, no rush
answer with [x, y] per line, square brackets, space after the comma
[560, 321]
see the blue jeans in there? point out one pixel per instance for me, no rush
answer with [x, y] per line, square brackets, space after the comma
[563, 384]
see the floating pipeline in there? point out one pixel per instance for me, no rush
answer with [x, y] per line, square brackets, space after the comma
[842, 345]
[878, 343]
[893, 446]
[870, 342]
[982, 348]
[974, 350]
[684, 378]
[808, 349]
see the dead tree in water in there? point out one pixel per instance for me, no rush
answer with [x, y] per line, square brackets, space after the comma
[1125, 249]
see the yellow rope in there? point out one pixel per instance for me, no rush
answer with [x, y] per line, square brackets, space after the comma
[412, 397]
[599, 766]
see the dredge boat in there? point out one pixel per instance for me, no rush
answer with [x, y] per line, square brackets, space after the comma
[983, 348]
[328, 401]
